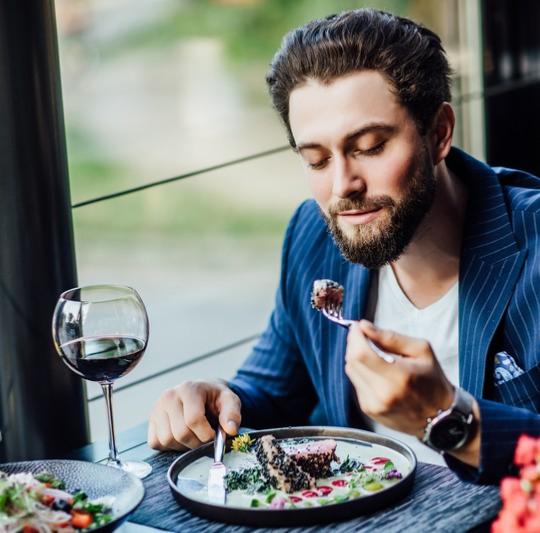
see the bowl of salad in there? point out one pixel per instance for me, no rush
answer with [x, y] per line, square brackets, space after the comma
[63, 496]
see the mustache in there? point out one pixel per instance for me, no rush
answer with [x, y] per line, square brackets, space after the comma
[360, 204]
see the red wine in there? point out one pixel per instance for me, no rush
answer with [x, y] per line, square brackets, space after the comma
[103, 358]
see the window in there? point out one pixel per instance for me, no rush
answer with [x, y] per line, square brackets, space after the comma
[155, 89]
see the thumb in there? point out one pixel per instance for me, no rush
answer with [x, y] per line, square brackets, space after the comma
[229, 406]
[393, 342]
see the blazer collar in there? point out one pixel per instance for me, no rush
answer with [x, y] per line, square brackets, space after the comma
[490, 263]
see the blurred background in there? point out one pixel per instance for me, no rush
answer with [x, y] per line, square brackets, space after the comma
[157, 89]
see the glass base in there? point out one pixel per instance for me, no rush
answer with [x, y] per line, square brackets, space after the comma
[139, 469]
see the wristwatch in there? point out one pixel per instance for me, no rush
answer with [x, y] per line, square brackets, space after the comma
[452, 428]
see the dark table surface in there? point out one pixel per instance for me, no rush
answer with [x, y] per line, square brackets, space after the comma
[439, 501]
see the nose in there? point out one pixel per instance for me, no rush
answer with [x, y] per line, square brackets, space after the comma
[347, 181]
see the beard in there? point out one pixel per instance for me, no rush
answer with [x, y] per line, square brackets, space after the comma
[382, 241]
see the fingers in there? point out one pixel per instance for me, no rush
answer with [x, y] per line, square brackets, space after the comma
[228, 405]
[178, 420]
[161, 436]
[393, 342]
[360, 355]
[194, 403]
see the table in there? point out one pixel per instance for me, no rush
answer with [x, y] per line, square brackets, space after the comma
[439, 501]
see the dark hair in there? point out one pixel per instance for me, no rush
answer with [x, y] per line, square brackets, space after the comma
[409, 55]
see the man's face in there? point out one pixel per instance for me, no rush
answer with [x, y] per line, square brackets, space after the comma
[367, 165]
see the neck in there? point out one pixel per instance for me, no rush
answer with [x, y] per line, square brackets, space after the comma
[429, 266]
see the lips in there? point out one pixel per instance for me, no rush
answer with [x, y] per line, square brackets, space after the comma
[357, 217]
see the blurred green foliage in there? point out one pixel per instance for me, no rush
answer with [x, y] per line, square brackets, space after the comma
[251, 31]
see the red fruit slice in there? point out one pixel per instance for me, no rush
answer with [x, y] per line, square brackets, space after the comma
[324, 490]
[295, 499]
[339, 482]
[309, 494]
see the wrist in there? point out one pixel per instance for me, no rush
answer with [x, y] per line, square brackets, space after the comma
[451, 429]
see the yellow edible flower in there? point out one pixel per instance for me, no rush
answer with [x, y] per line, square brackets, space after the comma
[241, 443]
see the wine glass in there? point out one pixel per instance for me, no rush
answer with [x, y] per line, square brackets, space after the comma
[101, 333]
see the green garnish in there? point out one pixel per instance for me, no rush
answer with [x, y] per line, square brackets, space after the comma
[270, 496]
[49, 479]
[373, 486]
[324, 501]
[249, 479]
[255, 503]
[349, 465]
[388, 466]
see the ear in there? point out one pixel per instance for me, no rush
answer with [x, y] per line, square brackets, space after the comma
[442, 132]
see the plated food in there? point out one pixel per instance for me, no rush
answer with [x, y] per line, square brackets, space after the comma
[297, 476]
[300, 473]
[65, 496]
[40, 503]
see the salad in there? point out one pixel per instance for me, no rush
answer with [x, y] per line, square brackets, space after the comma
[40, 504]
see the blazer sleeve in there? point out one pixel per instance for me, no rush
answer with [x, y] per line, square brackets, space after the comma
[501, 426]
[273, 383]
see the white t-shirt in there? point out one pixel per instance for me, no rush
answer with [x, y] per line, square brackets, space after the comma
[389, 308]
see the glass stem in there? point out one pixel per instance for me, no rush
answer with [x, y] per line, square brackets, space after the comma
[113, 451]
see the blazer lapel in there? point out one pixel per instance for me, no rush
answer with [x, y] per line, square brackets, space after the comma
[489, 268]
[356, 282]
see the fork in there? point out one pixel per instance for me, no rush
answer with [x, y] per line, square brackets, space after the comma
[333, 311]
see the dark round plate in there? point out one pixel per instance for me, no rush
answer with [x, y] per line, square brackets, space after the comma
[96, 480]
[295, 517]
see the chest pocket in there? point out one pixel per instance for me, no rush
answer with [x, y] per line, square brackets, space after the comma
[521, 391]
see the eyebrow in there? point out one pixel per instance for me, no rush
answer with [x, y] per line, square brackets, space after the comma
[368, 128]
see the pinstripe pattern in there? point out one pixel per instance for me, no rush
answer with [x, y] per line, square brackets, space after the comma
[299, 359]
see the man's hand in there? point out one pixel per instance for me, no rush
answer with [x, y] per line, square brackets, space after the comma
[399, 395]
[178, 420]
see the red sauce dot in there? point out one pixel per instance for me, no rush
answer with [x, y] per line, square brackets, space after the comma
[309, 494]
[324, 490]
[379, 460]
[339, 483]
[295, 499]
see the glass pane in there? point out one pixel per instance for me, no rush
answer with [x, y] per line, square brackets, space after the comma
[204, 255]
[158, 88]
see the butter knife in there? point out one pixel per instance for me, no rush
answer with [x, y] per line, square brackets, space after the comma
[216, 474]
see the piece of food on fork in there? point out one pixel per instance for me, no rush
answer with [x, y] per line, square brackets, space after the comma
[326, 293]
[327, 297]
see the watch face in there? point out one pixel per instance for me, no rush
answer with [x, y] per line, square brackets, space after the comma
[448, 433]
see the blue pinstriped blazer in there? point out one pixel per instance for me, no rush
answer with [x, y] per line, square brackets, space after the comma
[299, 360]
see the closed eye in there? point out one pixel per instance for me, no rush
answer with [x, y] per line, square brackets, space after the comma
[318, 164]
[377, 149]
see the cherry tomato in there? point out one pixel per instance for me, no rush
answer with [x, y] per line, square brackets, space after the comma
[47, 500]
[81, 520]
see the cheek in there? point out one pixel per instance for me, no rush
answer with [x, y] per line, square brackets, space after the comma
[321, 190]
[391, 174]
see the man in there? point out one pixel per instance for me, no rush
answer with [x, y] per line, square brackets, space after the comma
[437, 250]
